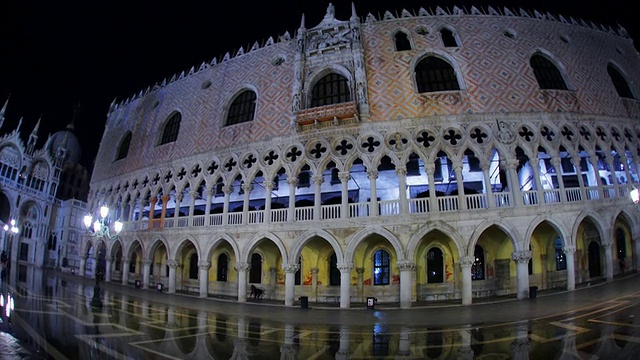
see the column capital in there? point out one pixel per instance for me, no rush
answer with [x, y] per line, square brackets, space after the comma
[372, 174]
[172, 264]
[243, 266]
[521, 256]
[147, 262]
[317, 179]
[345, 267]
[466, 261]
[401, 170]
[204, 265]
[569, 250]
[227, 189]
[268, 185]
[247, 187]
[180, 196]
[344, 176]
[406, 266]
[315, 271]
[292, 181]
[360, 270]
[290, 268]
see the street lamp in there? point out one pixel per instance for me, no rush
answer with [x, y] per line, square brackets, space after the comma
[100, 229]
[11, 229]
[635, 196]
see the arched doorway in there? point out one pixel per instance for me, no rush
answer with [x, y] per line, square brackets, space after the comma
[594, 260]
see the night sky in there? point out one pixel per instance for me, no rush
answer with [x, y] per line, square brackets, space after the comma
[55, 55]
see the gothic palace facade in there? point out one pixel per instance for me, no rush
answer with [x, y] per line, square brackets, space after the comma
[412, 157]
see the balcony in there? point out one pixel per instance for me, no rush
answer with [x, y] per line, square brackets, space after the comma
[327, 115]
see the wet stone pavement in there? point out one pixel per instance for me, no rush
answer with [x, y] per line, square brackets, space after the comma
[53, 311]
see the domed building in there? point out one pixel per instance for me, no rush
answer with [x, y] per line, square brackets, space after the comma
[423, 156]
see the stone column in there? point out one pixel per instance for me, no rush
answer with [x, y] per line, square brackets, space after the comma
[536, 177]
[465, 268]
[569, 252]
[457, 168]
[575, 160]
[83, 264]
[242, 269]
[401, 172]
[289, 350]
[636, 253]
[246, 188]
[612, 171]
[314, 283]
[522, 270]
[514, 183]
[345, 285]
[203, 277]
[593, 160]
[107, 270]
[488, 191]
[268, 187]
[404, 343]
[433, 200]
[272, 283]
[176, 211]
[125, 271]
[608, 261]
[289, 282]
[207, 207]
[520, 346]
[225, 207]
[146, 272]
[163, 212]
[465, 352]
[293, 183]
[406, 268]
[132, 207]
[193, 194]
[344, 177]
[360, 272]
[372, 174]
[557, 164]
[317, 196]
[172, 276]
[344, 353]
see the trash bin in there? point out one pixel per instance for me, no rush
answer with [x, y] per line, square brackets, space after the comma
[533, 292]
[371, 302]
[304, 302]
[138, 284]
[159, 287]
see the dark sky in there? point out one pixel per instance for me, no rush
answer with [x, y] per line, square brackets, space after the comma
[55, 55]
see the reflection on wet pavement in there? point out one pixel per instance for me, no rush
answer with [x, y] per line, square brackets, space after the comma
[138, 324]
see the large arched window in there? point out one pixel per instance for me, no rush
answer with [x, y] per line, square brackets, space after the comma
[435, 266]
[123, 149]
[402, 41]
[193, 266]
[331, 89]
[621, 85]
[243, 108]
[381, 268]
[477, 269]
[255, 274]
[435, 74]
[171, 129]
[223, 267]
[334, 273]
[547, 74]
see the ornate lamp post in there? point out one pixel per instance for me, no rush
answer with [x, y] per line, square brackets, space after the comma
[635, 197]
[100, 229]
[9, 229]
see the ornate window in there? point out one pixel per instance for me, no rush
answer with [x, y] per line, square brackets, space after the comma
[435, 266]
[448, 38]
[402, 41]
[331, 89]
[435, 74]
[547, 74]
[193, 266]
[381, 268]
[223, 267]
[477, 269]
[171, 129]
[621, 85]
[243, 108]
[334, 273]
[123, 149]
[255, 273]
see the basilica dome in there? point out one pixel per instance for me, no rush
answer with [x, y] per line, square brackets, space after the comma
[68, 140]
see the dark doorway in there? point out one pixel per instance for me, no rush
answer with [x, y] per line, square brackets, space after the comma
[594, 260]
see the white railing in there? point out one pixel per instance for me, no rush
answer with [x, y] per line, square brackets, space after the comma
[551, 196]
[234, 218]
[447, 203]
[359, 210]
[573, 194]
[256, 216]
[476, 201]
[419, 206]
[279, 215]
[530, 197]
[304, 213]
[609, 191]
[389, 207]
[168, 223]
[331, 211]
[198, 220]
[592, 193]
[502, 199]
[215, 220]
